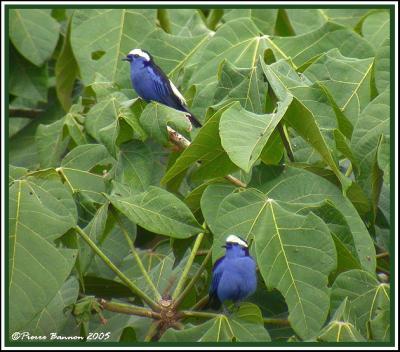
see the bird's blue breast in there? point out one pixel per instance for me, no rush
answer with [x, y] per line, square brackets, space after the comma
[236, 278]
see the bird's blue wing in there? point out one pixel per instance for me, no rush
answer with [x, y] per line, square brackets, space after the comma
[216, 276]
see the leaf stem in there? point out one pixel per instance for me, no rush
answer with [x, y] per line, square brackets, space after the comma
[200, 303]
[136, 256]
[136, 290]
[213, 18]
[163, 18]
[382, 255]
[128, 309]
[153, 329]
[193, 280]
[192, 313]
[189, 263]
[285, 141]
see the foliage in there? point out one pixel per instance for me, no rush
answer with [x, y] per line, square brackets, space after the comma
[114, 224]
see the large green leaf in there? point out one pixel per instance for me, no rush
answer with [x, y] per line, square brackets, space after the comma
[301, 118]
[138, 165]
[303, 49]
[100, 38]
[264, 19]
[34, 33]
[53, 317]
[66, 71]
[376, 28]
[244, 325]
[342, 327]
[36, 265]
[186, 22]
[244, 85]
[372, 123]
[27, 80]
[368, 299]
[295, 253]
[347, 80]
[382, 66]
[155, 118]
[158, 211]
[206, 147]
[245, 134]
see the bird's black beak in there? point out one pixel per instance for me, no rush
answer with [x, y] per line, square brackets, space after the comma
[125, 59]
[224, 246]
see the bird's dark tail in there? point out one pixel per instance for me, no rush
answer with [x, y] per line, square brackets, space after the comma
[194, 120]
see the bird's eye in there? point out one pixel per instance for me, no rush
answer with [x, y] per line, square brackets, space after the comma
[135, 55]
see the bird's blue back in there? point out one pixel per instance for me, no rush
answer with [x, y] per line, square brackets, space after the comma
[150, 83]
[234, 276]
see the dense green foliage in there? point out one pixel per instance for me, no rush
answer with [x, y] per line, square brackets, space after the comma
[108, 216]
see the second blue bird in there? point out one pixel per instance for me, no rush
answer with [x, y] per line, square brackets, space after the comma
[152, 84]
[234, 275]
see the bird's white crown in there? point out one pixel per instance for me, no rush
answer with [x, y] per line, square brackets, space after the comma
[141, 53]
[236, 239]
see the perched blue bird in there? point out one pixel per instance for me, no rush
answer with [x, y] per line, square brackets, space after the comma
[152, 84]
[234, 275]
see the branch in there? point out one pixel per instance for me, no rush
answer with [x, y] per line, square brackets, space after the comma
[281, 322]
[128, 309]
[21, 112]
[182, 142]
[188, 265]
[136, 256]
[136, 290]
[193, 281]
[192, 313]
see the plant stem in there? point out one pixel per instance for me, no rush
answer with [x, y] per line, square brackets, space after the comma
[194, 279]
[153, 329]
[189, 263]
[200, 303]
[182, 142]
[191, 313]
[163, 17]
[136, 290]
[285, 142]
[136, 256]
[213, 18]
[282, 322]
[382, 255]
[128, 309]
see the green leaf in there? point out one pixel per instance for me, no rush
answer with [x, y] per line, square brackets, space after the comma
[155, 118]
[33, 256]
[303, 49]
[376, 28]
[372, 123]
[51, 143]
[295, 253]
[346, 79]
[158, 211]
[244, 325]
[66, 71]
[264, 19]
[86, 157]
[138, 165]
[27, 80]
[34, 33]
[15, 172]
[382, 66]
[300, 118]
[100, 38]
[367, 297]
[245, 134]
[53, 317]
[186, 22]
[206, 147]
[341, 328]
[244, 85]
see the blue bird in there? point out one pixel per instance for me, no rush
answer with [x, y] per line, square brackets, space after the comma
[152, 84]
[234, 275]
